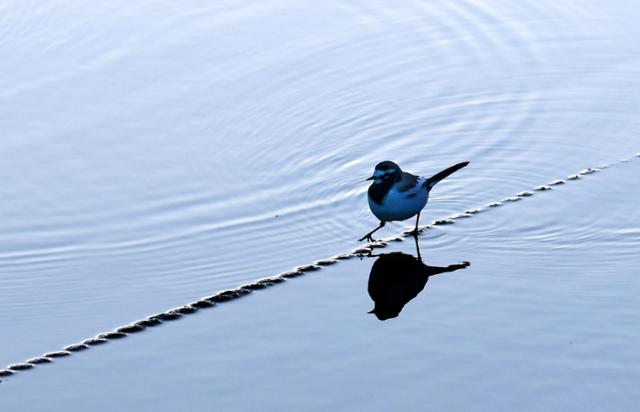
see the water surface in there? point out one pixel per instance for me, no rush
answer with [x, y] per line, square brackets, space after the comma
[156, 153]
[542, 320]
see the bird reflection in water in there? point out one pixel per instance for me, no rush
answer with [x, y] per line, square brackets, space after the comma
[397, 277]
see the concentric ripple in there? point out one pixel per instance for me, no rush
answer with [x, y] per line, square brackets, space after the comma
[152, 153]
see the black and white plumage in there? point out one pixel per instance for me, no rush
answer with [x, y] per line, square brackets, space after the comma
[397, 195]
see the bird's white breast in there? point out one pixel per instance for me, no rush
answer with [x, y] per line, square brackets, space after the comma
[400, 205]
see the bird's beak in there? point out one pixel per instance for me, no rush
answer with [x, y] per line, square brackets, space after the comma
[370, 178]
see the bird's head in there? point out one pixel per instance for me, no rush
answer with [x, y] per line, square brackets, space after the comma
[386, 171]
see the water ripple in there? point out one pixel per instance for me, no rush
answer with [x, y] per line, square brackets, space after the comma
[148, 159]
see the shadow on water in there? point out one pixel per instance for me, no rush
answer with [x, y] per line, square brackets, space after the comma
[396, 278]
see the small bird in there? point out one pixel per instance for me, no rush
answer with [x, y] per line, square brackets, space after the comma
[398, 195]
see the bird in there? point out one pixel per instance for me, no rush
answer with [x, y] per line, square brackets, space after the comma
[396, 195]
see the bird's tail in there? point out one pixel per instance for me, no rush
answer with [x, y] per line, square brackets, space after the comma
[430, 182]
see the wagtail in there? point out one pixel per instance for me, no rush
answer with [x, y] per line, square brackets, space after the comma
[398, 195]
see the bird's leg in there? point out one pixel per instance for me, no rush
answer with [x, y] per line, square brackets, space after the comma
[368, 235]
[417, 248]
[414, 232]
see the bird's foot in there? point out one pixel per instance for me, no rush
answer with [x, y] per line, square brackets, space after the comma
[367, 237]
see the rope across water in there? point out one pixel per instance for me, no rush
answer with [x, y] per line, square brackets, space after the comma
[231, 294]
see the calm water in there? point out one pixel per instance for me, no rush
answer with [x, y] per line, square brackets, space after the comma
[156, 153]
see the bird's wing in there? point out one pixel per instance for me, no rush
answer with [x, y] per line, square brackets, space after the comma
[408, 184]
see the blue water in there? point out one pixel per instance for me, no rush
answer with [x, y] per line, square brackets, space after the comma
[154, 154]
